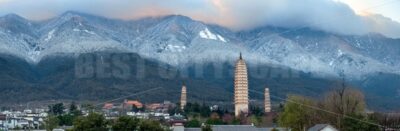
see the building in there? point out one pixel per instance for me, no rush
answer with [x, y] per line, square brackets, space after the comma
[13, 123]
[160, 107]
[3, 120]
[267, 101]
[232, 128]
[322, 127]
[132, 104]
[241, 87]
[108, 106]
[183, 96]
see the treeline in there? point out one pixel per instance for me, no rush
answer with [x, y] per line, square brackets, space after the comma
[199, 114]
[96, 121]
[343, 107]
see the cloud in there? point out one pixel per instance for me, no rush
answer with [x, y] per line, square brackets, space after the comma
[327, 15]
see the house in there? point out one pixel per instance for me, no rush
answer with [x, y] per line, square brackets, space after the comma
[3, 119]
[322, 127]
[132, 103]
[12, 123]
[108, 106]
[232, 128]
[153, 106]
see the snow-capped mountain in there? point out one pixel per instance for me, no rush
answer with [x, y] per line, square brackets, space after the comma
[179, 40]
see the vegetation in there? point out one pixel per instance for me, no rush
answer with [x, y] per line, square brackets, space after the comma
[57, 109]
[206, 128]
[51, 122]
[97, 122]
[63, 118]
[388, 120]
[125, 123]
[296, 114]
[193, 123]
[150, 125]
[343, 107]
[93, 122]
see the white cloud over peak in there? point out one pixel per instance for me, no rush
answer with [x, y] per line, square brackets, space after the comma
[327, 15]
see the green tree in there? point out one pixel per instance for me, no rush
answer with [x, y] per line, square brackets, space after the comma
[206, 128]
[256, 120]
[150, 125]
[125, 123]
[211, 121]
[255, 110]
[362, 123]
[73, 109]
[51, 122]
[93, 122]
[66, 119]
[205, 110]
[193, 123]
[296, 114]
[57, 109]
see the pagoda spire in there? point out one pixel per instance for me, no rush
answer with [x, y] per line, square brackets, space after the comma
[240, 55]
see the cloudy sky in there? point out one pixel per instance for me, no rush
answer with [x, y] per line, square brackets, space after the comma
[337, 16]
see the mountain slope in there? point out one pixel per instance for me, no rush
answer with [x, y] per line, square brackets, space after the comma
[178, 40]
[46, 49]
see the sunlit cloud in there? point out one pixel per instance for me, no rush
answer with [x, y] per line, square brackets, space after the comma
[335, 16]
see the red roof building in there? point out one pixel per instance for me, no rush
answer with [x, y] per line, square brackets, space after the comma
[108, 106]
[135, 103]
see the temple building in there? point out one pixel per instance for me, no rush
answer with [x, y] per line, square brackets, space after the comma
[241, 87]
[267, 101]
[183, 97]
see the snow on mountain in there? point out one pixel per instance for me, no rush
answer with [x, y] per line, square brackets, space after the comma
[179, 41]
[206, 34]
[17, 36]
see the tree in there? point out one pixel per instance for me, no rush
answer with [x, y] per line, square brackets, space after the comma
[343, 101]
[93, 122]
[57, 109]
[296, 114]
[362, 123]
[51, 122]
[73, 109]
[343, 107]
[125, 123]
[205, 110]
[255, 110]
[66, 119]
[149, 125]
[211, 121]
[193, 123]
[388, 120]
[228, 118]
[256, 120]
[206, 128]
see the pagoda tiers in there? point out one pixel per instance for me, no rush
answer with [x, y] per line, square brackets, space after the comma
[241, 87]
[183, 97]
[267, 101]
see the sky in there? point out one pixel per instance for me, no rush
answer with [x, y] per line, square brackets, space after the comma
[388, 8]
[338, 16]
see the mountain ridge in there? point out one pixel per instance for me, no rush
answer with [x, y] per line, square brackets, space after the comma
[179, 40]
[40, 57]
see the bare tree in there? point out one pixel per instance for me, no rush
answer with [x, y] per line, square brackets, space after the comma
[344, 100]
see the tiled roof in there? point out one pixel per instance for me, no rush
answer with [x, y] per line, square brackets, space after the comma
[134, 102]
